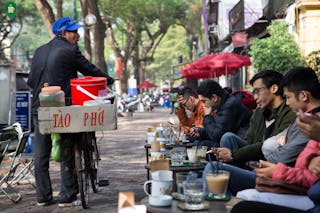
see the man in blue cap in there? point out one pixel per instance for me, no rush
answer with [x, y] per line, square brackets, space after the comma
[56, 63]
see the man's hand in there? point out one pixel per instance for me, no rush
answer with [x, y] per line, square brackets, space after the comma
[180, 101]
[194, 132]
[266, 170]
[224, 155]
[309, 125]
[314, 165]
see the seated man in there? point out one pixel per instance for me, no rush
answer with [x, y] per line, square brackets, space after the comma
[270, 118]
[188, 100]
[301, 88]
[310, 126]
[230, 114]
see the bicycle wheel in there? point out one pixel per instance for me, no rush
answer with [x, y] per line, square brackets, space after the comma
[82, 174]
[95, 158]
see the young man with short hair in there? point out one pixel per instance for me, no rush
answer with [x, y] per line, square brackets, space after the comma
[188, 100]
[230, 114]
[270, 118]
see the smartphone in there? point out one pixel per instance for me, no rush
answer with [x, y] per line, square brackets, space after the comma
[255, 164]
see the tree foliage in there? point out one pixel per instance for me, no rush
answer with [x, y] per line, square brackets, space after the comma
[313, 61]
[172, 46]
[278, 52]
[136, 28]
[11, 28]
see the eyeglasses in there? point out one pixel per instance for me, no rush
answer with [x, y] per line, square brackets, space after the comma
[256, 91]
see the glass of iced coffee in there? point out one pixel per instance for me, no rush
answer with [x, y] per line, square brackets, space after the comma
[217, 183]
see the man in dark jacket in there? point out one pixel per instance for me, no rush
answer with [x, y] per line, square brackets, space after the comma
[56, 63]
[270, 118]
[230, 114]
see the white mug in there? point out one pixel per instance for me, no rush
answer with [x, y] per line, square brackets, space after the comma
[162, 175]
[158, 187]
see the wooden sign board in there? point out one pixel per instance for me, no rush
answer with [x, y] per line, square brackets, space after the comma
[71, 119]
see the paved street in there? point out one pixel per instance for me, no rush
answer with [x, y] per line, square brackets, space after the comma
[123, 160]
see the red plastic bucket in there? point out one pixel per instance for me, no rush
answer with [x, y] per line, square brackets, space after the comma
[83, 89]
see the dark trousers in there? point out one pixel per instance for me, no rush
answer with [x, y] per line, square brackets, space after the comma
[42, 149]
[253, 207]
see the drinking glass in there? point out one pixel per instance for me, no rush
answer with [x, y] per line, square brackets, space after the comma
[202, 152]
[178, 155]
[194, 192]
[184, 176]
[180, 177]
[217, 182]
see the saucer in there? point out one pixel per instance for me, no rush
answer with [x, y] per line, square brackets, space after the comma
[182, 206]
[162, 200]
[178, 196]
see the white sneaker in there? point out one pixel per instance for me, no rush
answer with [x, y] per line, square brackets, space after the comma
[74, 203]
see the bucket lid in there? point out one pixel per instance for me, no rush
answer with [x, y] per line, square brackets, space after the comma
[88, 80]
[51, 89]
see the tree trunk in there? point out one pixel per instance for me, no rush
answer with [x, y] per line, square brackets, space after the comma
[125, 76]
[46, 13]
[59, 9]
[87, 43]
[99, 30]
[135, 57]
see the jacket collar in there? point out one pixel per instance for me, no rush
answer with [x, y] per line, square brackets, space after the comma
[270, 114]
[223, 99]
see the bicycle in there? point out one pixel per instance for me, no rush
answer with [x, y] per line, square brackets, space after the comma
[86, 150]
[87, 159]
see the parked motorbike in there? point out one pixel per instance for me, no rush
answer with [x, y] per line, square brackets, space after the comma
[128, 104]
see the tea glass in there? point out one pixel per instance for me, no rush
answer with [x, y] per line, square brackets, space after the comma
[194, 194]
[217, 183]
[178, 155]
[192, 155]
[184, 176]
[202, 152]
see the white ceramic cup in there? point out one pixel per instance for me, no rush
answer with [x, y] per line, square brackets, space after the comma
[162, 175]
[162, 200]
[158, 187]
[192, 155]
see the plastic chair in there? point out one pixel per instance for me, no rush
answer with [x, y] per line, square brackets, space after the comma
[6, 184]
[27, 166]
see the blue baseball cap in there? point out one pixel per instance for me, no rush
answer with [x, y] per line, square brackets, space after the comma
[64, 23]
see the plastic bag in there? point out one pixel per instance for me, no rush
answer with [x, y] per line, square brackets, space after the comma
[61, 145]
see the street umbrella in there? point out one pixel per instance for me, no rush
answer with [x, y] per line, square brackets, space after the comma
[204, 73]
[146, 85]
[215, 65]
[201, 63]
[228, 61]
